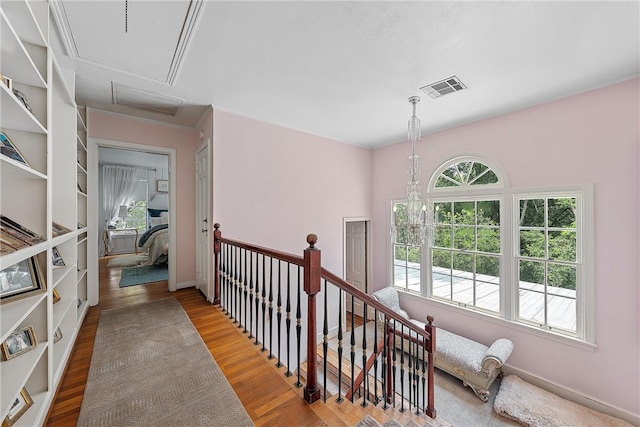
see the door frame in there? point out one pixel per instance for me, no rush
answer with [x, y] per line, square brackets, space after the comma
[207, 145]
[93, 144]
[368, 267]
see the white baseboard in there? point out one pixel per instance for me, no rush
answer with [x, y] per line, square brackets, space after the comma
[187, 284]
[573, 395]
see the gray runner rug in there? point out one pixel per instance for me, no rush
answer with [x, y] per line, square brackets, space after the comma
[150, 367]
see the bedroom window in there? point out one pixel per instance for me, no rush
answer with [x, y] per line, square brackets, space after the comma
[525, 256]
[137, 216]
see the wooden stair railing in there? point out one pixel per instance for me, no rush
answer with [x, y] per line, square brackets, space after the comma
[252, 283]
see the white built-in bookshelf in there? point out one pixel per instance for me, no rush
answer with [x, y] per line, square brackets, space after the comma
[50, 186]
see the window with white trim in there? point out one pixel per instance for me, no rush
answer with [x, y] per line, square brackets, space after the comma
[465, 257]
[137, 216]
[547, 261]
[521, 255]
[406, 257]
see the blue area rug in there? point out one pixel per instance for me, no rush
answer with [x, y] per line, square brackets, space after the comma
[132, 276]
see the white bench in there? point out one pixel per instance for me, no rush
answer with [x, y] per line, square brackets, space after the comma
[474, 363]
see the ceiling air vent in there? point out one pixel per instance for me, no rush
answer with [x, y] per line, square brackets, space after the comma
[147, 101]
[443, 87]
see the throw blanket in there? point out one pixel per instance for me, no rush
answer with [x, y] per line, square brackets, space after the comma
[147, 234]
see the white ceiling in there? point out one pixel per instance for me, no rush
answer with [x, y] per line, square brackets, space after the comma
[344, 70]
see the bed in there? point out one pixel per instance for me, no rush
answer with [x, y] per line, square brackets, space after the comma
[155, 241]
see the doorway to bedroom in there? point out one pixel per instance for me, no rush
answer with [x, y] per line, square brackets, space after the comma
[133, 216]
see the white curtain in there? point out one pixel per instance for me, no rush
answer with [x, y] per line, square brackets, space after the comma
[117, 189]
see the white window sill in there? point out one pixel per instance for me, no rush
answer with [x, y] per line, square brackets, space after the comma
[520, 327]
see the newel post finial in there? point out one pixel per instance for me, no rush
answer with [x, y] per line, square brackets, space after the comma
[312, 239]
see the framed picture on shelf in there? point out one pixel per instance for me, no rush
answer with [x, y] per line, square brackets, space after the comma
[57, 336]
[17, 231]
[7, 81]
[56, 258]
[162, 186]
[21, 280]
[18, 407]
[9, 149]
[23, 98]
[19, 342]
[58, 230]
[9, 244]
[56, 296]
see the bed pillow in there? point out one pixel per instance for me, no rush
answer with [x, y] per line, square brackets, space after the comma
[154, 213]
[155, 220]
[164, 218]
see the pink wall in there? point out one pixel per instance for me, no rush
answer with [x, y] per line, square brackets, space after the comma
[273, 186]
[591, 138]
[185, 141]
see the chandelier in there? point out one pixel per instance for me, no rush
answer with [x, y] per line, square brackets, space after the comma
[413, 224]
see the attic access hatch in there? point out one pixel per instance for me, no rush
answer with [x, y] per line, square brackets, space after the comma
[142, 100]
[98, 32]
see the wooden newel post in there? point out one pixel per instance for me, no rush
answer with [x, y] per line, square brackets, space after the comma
[217, 235]
[431, 409]
[312, 274]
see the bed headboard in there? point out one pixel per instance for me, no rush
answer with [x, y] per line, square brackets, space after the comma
[159, 201]
[157, 209]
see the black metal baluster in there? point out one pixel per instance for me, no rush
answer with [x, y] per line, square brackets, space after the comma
[424, 366]
[223, 276]
[279, 311]
[251, 274]
[375, 359]
[386, 358]
[339, 399]
[298, 328]
[365, 378]
[394, 359]
[228, 286]
[353, 347]
[270, 308]
[288, 320]
[245, 286]
[234, 282]
[410, 368]
[240, 286]
[416, 375]
[264, 302]
[257, 298]
[325, 341]
[402, 409]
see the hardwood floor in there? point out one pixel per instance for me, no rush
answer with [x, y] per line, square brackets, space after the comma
[269, 397]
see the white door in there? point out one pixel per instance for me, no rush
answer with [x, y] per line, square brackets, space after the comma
[356, 262]
[203, 222]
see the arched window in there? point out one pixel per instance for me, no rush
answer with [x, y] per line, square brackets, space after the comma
[519, 254]
[465, 172]
[466, 257]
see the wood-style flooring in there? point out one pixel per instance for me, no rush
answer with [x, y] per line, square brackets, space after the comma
[269, 397]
